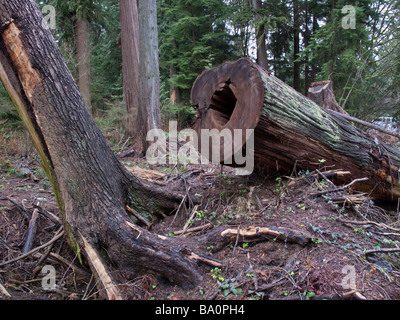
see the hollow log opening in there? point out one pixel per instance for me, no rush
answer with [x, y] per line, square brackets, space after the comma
[224, 102]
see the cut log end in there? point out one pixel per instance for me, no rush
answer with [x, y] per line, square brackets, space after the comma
[228, 97]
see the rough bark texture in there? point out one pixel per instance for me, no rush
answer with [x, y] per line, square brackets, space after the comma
[91, 186]
[130, 60]
[149, 116]
[83, 53]
[291, 131]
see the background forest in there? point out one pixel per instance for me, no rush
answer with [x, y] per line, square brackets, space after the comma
[304, 41]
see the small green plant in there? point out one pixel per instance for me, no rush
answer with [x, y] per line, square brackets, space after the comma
[229, 287]
[279, 186]
[359, 230]
[316, 241]
[216, 274]
[200, 215]
[308, 294]
[301, 206]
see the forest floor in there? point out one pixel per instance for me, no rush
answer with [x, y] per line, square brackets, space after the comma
[333, 265]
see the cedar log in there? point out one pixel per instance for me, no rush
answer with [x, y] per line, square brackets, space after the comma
[291, 131]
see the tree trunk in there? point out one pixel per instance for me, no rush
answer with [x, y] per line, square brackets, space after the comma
[262, 57]
[291, 131]
[175, 92]
[149, 116]
[83, 53]
[130, 61]
[296, 37]
[92, 188]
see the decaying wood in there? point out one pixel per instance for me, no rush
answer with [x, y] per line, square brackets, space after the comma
[290, 130]
[31, 232]
[220, 237]
[256, 234]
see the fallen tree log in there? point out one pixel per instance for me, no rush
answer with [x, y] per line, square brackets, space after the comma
[291, 131]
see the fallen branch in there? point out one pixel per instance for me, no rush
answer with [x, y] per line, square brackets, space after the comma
[383, 250]
[366, 124]
[255, 234]
[196, 229]
[140, 218]
[4, 292]
[59, 235]
[379, 225]
[339, 188]
[31, 232]
[207, 260]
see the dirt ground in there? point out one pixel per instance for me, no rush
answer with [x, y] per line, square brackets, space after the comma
[333, 265]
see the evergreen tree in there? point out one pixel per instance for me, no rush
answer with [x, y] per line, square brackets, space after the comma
[193, 37]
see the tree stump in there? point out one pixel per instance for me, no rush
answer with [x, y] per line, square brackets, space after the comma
[322, 94]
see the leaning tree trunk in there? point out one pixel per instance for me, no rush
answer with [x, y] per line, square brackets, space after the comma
[291, 131]
[92, 188]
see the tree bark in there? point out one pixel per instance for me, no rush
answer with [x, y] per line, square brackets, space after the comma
[149, 116]
[296, 38]
[130, 60]
[262, 57]
[83, 54]
[92, 188]
[291, 131]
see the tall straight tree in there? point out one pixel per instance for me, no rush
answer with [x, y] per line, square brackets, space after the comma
[149, 116]
[296, 45]
[262, 57]
[130, 61]
[139, 38]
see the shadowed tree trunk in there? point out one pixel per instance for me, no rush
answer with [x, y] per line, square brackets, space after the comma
[130, 60]
[262, 57]
[296, 38]
[291, 131]
[83, 54]
[92, 188]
